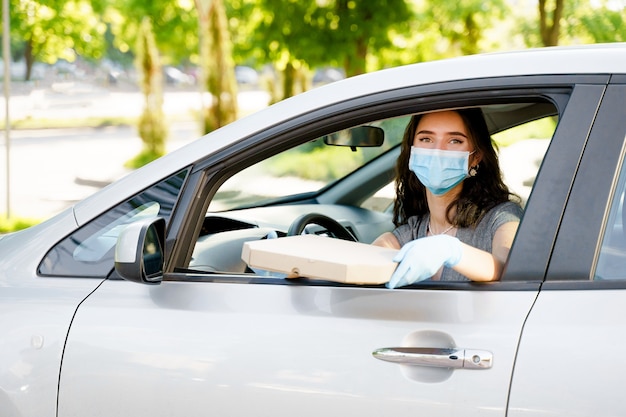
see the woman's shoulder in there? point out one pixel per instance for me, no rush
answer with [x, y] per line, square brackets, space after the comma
[508, 211]
[509, 207]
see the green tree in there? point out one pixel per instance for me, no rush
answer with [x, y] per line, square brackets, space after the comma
[184, 31]
[174, 22]
[601, 21]
[573, 22]
[606, 25]
[358, 29]
[46, 31]
[451, 27]
[298, 35]
[152, 127]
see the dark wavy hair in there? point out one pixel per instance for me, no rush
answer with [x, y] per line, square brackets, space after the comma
[480, 193]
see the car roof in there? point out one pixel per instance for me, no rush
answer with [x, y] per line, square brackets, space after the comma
[586, 59]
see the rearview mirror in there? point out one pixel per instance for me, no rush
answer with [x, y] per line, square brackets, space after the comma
[357, 137]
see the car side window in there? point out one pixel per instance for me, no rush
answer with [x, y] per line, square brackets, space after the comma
[89, 251]
[612, 258]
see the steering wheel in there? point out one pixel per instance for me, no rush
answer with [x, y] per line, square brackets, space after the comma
[334, 228]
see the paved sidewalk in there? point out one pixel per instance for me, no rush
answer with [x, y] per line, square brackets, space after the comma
[53, 169]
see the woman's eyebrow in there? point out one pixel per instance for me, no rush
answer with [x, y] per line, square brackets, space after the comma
[457, 134]
[430, 132]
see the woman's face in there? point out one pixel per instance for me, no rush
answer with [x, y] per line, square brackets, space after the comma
[443, 130]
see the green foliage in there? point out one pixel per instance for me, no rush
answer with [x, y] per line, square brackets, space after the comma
[324, 33]
[47, 31]
[456, 28]
[360, 28]
[175, 21]
[351, 28]
[581, 22]
[606, 25]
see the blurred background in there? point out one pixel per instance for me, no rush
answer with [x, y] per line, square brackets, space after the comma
[95, 88]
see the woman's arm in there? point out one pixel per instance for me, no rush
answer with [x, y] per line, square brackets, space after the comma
[387, 240]
[482, 266]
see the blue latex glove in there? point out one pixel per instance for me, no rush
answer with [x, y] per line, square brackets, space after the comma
[420, 259]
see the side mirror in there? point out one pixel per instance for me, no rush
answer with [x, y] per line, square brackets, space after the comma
[357, 137]
[139, 251]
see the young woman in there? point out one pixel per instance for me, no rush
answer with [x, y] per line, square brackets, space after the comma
[455, 218]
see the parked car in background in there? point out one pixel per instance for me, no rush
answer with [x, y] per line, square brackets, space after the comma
[327, 75]
[137, 301]
[174, 76]
[246, 75]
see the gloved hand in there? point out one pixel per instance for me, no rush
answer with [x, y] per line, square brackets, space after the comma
[420, 259]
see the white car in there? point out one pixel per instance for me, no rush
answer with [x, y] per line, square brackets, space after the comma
[201, 332]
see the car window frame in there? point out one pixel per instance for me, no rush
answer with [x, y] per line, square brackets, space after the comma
[578, 244]
[360, 110]
[544, 209]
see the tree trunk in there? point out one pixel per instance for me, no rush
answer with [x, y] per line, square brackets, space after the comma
[549, 30]
[355, 64]
[29, 59]
[289, 79]
[218, 67]
[151, 125]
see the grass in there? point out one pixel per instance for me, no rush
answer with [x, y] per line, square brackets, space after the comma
[14, 224]
[322, 164]
[30, 123]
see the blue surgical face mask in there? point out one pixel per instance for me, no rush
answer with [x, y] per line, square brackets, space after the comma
[439, 170]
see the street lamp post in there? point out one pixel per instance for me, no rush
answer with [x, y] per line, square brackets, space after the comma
[6, 45]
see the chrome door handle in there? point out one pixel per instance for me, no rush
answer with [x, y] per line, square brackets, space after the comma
[436, 357]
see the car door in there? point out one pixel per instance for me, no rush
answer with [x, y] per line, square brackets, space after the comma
[201, 344]
[185, 348]
[569, 361]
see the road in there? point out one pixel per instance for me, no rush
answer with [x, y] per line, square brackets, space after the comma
[50, 169]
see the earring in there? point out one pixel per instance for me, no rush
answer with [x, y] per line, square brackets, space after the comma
[473, 171]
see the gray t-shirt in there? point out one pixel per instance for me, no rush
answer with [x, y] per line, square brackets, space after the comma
[480, 237]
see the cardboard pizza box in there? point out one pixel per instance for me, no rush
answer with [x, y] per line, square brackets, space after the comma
[320, 257]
